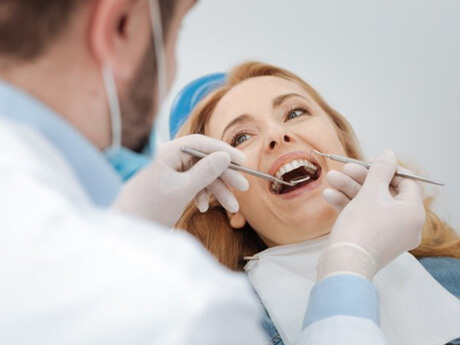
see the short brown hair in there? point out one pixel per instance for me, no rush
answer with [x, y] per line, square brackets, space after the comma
[27, 27]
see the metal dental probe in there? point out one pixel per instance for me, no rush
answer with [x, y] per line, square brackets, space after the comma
[253, 172]
[368, 165]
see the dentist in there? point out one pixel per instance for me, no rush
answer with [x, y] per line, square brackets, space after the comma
[85, 260]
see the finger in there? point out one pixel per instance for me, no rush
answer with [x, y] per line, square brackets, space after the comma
[224, 196]
[202, 200]
[381, 172]
[398, 179]
[356, 172]
[235, 179]
[343, 183]
[393, 190]
[388, 155]
[335, 198]
[409, 190]
[207, 170]
[201, 143]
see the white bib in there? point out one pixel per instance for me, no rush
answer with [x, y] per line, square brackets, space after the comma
[414, 308]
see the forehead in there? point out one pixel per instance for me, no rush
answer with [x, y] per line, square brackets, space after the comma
[252, 96]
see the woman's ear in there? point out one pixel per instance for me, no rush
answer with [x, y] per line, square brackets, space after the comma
[237, 220]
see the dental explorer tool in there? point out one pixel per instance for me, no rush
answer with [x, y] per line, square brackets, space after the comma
[244, 169]
[368, 165]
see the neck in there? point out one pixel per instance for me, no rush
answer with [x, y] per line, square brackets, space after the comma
[70, 83]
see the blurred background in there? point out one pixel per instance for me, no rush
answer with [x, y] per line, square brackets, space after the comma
[390, 67]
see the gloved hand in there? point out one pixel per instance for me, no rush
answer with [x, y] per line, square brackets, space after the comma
[161, 191]
[376, 224]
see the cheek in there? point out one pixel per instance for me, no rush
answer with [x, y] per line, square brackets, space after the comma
[328, 138]
[252, 207]
[334, 146]
[248, 198]
[252, 159]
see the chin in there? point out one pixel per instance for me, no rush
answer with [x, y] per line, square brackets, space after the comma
[315, 219]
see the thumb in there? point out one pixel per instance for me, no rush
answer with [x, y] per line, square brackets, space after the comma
[207, 170]
[382, 171]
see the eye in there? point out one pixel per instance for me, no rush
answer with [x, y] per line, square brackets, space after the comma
[293, 113]
[239, 138]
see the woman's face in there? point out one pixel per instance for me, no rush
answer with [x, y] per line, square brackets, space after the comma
[276, 123]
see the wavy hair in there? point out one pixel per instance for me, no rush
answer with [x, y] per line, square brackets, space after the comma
[229, 245]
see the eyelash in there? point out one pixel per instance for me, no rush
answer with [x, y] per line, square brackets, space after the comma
[293, 109]
[236, 136]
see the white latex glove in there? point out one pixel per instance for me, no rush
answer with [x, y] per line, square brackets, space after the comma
[161, 191]
[377, 223]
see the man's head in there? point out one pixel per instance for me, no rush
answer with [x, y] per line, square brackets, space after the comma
[76, 38]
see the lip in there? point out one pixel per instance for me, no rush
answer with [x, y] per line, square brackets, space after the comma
[288, 157]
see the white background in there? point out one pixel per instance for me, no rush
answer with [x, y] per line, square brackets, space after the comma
[390, 67]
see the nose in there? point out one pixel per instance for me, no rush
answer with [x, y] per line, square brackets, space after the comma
[277, 137]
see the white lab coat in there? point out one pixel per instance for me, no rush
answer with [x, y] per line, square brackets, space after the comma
[71, 273]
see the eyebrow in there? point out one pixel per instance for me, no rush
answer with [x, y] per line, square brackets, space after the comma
[280, 99]
[238, 120]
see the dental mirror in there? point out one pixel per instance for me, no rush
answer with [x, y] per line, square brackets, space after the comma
[234, 166]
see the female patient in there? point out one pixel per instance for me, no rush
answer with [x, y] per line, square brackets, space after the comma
[277, 235]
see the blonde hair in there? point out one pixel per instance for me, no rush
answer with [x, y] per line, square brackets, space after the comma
[229, 245]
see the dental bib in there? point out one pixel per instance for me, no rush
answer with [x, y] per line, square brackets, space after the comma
[414, 308]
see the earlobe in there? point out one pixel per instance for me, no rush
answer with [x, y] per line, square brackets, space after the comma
[237, 220]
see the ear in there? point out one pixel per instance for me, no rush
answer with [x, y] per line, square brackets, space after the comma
[120, 34]
[237, 220]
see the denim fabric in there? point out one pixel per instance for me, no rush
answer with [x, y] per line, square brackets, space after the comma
[455, 342]
[445, 270]
[271, 330]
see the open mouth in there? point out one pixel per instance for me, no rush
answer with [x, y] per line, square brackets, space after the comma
[295, 169]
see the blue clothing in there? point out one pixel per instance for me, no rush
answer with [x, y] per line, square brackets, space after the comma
[97, 177]
[447, 272]
[345, 295]
[325, 296]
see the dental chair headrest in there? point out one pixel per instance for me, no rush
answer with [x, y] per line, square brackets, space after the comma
[189, 97]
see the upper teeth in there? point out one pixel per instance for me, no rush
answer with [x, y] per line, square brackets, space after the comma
[276, 187]
[294, 165]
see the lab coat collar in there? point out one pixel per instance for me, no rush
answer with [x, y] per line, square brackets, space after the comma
[97, 177]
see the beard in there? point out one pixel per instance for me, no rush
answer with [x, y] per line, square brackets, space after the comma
[138, 105]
